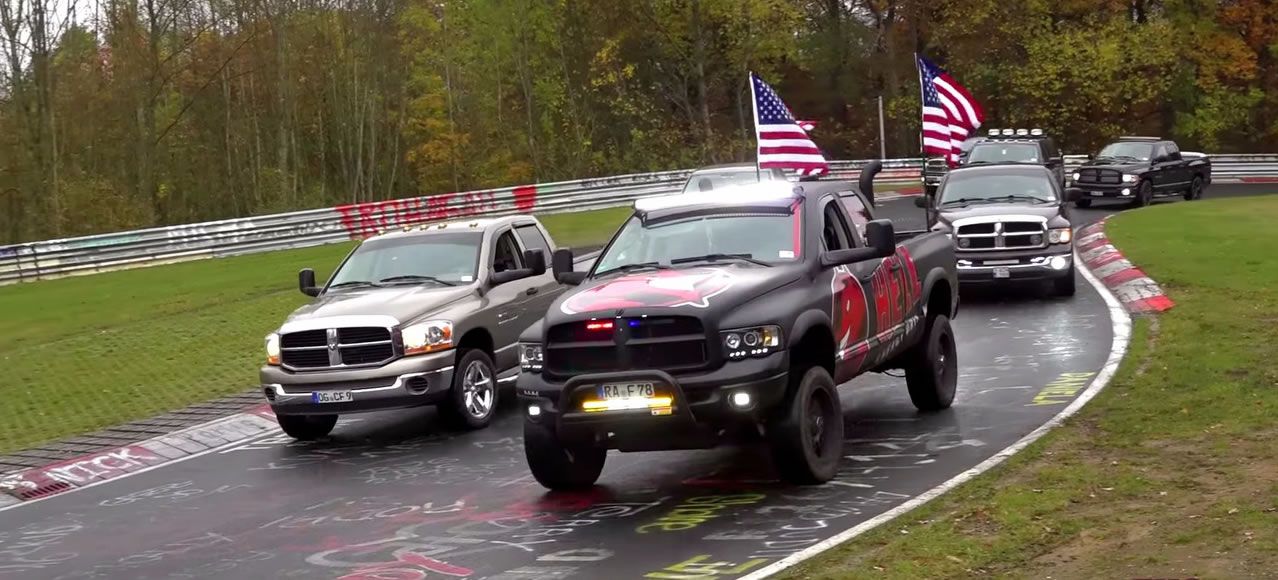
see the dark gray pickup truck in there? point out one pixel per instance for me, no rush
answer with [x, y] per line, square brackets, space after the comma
[424, 316]
[732, 315]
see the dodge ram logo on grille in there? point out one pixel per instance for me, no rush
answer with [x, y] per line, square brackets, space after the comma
[667, 288]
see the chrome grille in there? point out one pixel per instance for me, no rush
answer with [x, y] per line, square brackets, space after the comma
[1106, 176]
[337, 347]
[1001, 235]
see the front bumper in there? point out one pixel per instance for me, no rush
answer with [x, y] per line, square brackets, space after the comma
[1097, 191]
[405, 382]
[990, 267]
[701, 415]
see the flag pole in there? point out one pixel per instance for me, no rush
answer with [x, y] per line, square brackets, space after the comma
[754, 110]
[918, 67]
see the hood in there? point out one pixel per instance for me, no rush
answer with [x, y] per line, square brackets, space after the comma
[695, 291]
[404, 302]
[1124, 166]
[1011, 209]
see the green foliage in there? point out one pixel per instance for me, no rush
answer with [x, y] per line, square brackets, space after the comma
[238, 108]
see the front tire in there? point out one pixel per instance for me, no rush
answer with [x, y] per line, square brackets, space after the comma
[1083, 203]
[1144, 194]
[472, 400]
[557, 466]
[807, 438]
[932, 371]
[1195, 189]
[306, 427]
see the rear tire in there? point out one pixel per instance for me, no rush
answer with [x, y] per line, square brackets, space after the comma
[1065, 286]
[1195, 189]
[807, 437]
[560, 467]
[307, 427]
[472, 400]
[1083, 203]
[931, 372]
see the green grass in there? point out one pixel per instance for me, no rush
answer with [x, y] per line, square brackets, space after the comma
[1170, 472]
[82, 353]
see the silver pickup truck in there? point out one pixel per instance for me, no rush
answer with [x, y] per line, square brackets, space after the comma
[425, 316]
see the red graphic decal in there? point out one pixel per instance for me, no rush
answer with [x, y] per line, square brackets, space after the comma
[526, 198]
[849, 311]
[671, 288]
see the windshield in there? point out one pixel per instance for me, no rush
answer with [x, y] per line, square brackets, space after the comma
[712, 180]
[768, 238]
[1001, 152]
[449, 258]
[1137, 151]
[988, 186]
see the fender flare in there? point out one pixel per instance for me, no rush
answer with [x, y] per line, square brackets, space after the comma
[807, 320]
[933, 276]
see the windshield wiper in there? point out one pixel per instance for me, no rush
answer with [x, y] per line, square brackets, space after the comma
[964, 201]
[415, 278]
[718, 256]
[1015, 197]
[636, 266]
[352, 283]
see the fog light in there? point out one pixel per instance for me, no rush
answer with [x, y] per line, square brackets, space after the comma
[1059, 263]
[741, 399]
[534, 411]
[1127, 191]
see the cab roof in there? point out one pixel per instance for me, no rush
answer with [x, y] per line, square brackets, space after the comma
[1002, 167]
[477, 225]
[766, 196]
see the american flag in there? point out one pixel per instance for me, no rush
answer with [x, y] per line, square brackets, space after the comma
[783, 142]
[950, 114]
[806, 125]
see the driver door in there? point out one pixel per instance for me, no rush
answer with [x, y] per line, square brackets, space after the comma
[512, 302]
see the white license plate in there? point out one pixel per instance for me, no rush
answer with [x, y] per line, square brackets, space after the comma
[1002, 272]
[626, 391]
[1096, 193]
[332, 396]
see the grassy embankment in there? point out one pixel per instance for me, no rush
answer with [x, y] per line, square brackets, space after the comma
[83, 353]
[1171, 472]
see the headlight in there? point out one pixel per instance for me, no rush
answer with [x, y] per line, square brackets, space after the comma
[273, 349]
[754, 341]
[1075, 176]
[1128, 178]
[531, 357]
[1060, 236]
[429, 336]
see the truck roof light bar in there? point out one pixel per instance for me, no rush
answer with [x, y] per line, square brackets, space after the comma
[728, 196]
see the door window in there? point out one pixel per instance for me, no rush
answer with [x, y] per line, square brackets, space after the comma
[834, 232]
[532, 239]
[506, 253]
[857, 211]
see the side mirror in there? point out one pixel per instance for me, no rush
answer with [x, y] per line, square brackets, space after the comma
[1091, 157]
[880, 236]
[535, 260]
[306, 282]
[920, 201]
[562, 266]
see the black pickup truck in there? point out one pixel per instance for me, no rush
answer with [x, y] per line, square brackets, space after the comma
[1139, 169]
[731, 316]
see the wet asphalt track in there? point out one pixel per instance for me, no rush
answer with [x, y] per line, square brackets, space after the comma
[391, 496]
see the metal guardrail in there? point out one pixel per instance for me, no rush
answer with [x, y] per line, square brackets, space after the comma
[105, 252]
[1225, 168]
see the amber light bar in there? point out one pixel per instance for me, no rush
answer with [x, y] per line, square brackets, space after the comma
[594, 406]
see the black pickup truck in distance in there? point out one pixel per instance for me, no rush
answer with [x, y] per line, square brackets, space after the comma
[731, 316]
[1139, 169]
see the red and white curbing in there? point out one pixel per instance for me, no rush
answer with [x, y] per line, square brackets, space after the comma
[95, 468]
[1137, 291]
